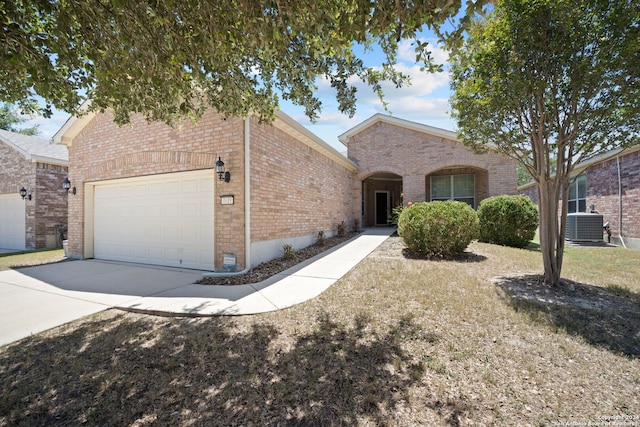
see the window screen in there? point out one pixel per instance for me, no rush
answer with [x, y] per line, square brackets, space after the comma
[454, 187]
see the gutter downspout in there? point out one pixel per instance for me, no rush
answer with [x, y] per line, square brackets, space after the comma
[620, 203]
[247, 207]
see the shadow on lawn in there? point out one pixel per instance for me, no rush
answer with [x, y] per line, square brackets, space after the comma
[465, 257]
[127, 370]
[604, 317]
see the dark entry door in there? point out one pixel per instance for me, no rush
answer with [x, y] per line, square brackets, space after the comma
[382, 207]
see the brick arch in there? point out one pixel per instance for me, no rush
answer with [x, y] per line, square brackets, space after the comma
[165, 161]
[368, 173]
[472, 164]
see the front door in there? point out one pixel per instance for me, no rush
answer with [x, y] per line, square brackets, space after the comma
[382, 207]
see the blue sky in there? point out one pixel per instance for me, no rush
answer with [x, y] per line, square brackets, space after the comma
[425, 101]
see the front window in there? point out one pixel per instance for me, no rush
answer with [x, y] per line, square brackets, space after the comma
[454, 187]
[578, 195]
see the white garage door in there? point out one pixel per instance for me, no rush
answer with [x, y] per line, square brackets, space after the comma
[165, 220]
[12, 221]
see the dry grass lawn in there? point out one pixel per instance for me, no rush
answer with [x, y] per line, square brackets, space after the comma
[29, 258]
[397, 341]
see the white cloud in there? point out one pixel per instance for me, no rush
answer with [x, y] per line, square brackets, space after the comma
[425, 100]
[406, 51]
[47, 126]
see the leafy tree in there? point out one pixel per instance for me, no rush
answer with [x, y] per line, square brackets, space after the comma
[171, 59]
[522, 175]
[550, 79]
[9, 119]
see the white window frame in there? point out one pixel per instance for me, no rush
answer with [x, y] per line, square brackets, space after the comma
[452, 195]
[575, 202]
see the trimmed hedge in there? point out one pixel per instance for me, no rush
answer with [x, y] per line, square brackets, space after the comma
[508, 220]
[440, 228]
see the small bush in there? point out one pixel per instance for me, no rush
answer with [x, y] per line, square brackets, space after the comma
[320, 238]
[342, 229]
[288, 252]
[441, 228]
[508, 220]
[395, 214]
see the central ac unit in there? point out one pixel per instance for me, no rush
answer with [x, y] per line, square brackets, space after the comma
[584, 227]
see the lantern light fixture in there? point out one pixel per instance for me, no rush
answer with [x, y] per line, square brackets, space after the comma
[25, 194]
[66, 185]
[222, 174]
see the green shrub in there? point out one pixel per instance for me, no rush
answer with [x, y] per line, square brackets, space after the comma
[508, 220]
[395, 214]
[441, 228]
[288, 252]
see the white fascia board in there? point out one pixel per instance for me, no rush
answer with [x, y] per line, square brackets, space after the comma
[419, 127]
[288, 125]
[73, 126]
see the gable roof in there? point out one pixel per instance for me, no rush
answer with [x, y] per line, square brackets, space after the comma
[292, 127]
[585, 164]
[36, 149]
[378, 118]
[75, 124]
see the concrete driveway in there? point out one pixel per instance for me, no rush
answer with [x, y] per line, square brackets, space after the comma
[35, 299]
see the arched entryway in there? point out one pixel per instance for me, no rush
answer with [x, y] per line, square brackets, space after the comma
[381, 192]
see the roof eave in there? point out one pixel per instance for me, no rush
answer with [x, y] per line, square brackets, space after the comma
[295, 129]
[379, 117]
[49, 160]
[73, 126]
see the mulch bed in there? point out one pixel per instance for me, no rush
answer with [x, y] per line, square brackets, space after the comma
[278, 265]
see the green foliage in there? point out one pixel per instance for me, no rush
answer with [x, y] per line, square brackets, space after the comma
[9, 118]
[550, 83]
[173, 59]
[523, 176]
[440, 228]
[395, 214]
[508, 220]
[288, 252]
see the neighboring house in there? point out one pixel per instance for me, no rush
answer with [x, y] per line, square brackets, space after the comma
[40, 167]
[608, 184]
[149, 193]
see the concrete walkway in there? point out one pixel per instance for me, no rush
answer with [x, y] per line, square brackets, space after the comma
[35, 299]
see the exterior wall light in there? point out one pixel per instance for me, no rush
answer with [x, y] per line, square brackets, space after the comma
[66, 185]
[222, 175]
[24, 195]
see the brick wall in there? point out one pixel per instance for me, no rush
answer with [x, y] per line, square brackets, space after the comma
[48, 205]
[531, 192]
[104, 151]
[50, 202]
[16, 171]
[414, 155]
[603, 192]
[295, 190]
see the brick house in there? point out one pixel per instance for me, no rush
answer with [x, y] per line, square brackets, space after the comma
[610, 184]
[38, 166]
[150, 193]
[401, 161]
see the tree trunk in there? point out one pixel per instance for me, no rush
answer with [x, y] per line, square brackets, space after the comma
[551, 242]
